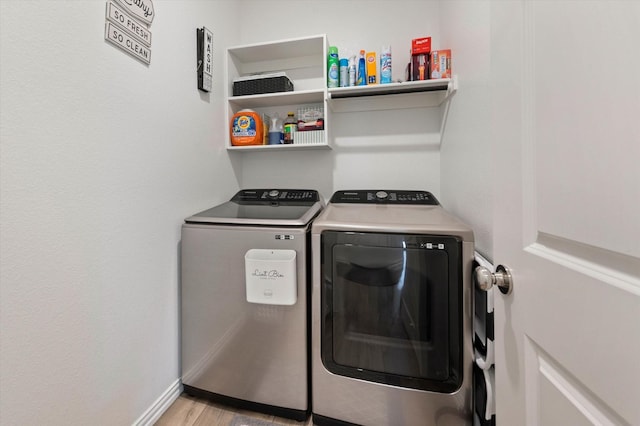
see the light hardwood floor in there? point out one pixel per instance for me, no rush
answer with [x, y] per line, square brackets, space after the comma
[190, 411]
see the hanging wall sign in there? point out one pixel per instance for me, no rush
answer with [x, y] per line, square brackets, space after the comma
[141, 9]
[205, 59]
[127, 27]
[129, 44]
[119, 17]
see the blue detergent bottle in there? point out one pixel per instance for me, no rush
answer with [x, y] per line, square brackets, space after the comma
[362, 71]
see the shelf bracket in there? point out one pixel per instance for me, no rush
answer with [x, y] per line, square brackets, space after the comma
[452, 88]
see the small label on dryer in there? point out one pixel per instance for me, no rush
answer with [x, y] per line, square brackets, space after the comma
[284, 237]
[432, 246]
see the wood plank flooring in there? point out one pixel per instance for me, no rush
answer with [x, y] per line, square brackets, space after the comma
[191, 411]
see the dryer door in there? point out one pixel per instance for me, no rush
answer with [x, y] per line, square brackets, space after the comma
[392, 308]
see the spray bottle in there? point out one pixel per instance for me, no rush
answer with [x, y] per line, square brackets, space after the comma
[385, 65]
[352, 70]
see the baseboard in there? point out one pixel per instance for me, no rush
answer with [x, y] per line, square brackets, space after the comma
[160, 405]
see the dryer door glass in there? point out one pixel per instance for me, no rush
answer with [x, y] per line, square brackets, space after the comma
[391, 308]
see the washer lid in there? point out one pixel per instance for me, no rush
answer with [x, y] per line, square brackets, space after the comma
[268, 207]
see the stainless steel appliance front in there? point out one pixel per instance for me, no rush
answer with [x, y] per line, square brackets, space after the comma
[250, 355]
[391, 313]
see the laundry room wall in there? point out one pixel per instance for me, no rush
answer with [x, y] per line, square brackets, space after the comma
[102, 157]
[391, 149]
[383, 149]
[466, 153]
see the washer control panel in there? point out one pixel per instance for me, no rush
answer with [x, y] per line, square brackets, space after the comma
[384, 197]
[279, 195]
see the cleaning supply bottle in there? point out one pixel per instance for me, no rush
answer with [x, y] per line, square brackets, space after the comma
[290, 128]
[385, 65]
[362, 70]
[275, 131]
[333, 67]
[344, 72]
[246, 128]
[352, 71]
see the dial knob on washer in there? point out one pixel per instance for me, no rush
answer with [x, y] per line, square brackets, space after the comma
[381, 195]
[274, 193]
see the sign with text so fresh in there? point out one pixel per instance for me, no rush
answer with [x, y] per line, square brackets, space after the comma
[126, 27]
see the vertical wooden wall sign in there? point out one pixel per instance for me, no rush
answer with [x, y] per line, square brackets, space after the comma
[205, 59]
[127, 27]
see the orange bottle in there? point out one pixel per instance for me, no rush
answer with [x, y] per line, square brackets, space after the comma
[247, 128]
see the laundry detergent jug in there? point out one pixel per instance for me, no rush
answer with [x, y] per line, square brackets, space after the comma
[247, 128]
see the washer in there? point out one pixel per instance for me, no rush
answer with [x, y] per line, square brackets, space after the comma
[391, 311]
[245, 308]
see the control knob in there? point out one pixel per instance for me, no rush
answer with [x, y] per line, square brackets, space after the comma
[381, 195]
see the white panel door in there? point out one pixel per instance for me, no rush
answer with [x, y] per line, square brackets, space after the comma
[566, 132]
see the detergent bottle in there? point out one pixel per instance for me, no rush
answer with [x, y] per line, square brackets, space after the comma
[362, 70]
[246, 128]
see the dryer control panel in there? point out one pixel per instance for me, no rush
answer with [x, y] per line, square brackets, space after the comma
[385, 197]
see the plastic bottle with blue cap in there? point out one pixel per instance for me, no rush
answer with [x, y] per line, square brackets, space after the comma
[362, 70]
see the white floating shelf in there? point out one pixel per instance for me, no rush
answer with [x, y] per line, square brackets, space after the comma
[278, 99]
[410, 94]
[291, 147]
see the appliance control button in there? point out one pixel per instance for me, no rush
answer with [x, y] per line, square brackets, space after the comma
[274, 193]
[381, 195]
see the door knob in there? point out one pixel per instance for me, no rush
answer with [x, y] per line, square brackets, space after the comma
[485, 279]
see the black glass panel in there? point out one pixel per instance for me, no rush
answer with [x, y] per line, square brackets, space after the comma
[391, 308]
[384, 317]
[266, 210]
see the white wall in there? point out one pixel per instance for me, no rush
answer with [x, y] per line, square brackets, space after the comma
[391, 149]
[466, 156]
[101, 159]
[384, 149]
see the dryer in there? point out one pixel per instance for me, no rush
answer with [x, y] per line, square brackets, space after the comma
[245, 299]
[391, 311]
